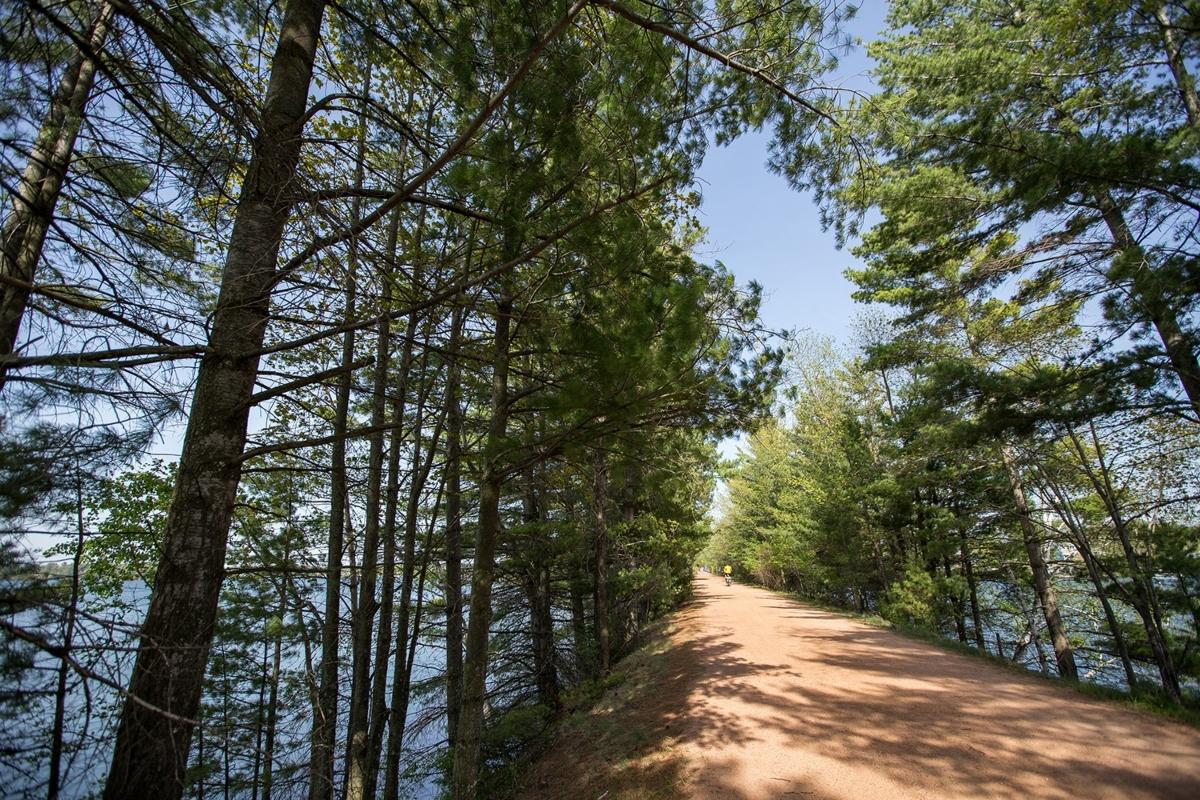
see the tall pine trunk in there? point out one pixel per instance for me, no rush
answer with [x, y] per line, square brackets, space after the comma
[968, 569]
[542, 632]
[1066, 511]
[406, 642]
[1064, 654]
[465, 769]
[273, 705]
[1142, 597]
[54, 778]
[23, 234]
[600, 532]
[579, 637]
[153, 738]
[325, 704]
[957, 601]
[537, 593]
[454, 602]
[383, 640]
[1093, 569]
[363, 620]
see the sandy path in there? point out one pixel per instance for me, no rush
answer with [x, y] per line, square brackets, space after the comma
[772, 699]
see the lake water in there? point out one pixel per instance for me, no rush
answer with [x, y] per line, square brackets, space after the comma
[104, 644]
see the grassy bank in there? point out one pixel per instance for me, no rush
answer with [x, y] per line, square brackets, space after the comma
[609, 741]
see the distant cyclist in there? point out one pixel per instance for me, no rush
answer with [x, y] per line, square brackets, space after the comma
[728, 574]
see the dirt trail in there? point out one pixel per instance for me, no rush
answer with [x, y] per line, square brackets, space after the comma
[790, 701]
[763, 698]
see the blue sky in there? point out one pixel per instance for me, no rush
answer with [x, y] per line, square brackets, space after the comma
[765, 231]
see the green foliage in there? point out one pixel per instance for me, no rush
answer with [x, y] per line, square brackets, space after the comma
[988, 151]
[507, 741]
[510, 734]
[569, 208]
[129, 512]
[799, 514]
[912, 600]
[125, 178]
[28, 469]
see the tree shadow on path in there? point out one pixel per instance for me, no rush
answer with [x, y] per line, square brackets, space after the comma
[887, 713]
[758, 697]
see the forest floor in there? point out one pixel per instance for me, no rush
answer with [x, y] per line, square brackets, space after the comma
[752, 696]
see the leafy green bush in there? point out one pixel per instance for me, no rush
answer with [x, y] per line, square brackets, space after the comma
[913, 600]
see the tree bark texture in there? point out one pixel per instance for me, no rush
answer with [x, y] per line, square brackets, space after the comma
[537, 593]
[151, 748]
[972, 591]
[454, 601]
[600, 531]
[1064, 653]
[24, 231]
[363, 620]
[465, 769]
[324, 728]
[408, 621]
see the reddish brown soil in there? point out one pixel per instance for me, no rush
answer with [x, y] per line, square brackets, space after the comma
[760, 697]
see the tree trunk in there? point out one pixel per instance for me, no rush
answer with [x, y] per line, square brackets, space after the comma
[973, 591]
[1142, 598]
[1036, 640]
[1147, 289]
[537, 592]
[324, 726]
[599, 502]
[1066, 512]
[363, 621]
[54, 779]
[577, 585]
[465, 769]
[957, 601]
[383, 646]
[583, 662]
[542, 630]
[454, 604]
[400, 669]
[226, 726]
[151, 748]
[272, 714]
[1064, 654]
[1183, 80]
[36, 195]
[383, 639]
[402, 688]
[1110, 617]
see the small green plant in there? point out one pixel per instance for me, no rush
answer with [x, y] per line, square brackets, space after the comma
[912, 601]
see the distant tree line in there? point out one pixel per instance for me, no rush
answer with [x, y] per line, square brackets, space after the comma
[403, 297]
[1011, 454]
